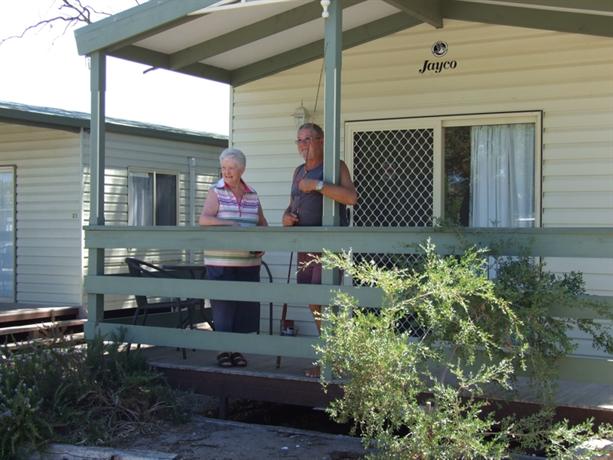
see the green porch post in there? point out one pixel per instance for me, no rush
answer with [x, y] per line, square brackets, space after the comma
[333, 47]
[95, 265]
[333, 50]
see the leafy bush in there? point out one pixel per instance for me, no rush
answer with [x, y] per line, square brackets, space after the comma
[74, 394]
[419, 393]
[534, 293]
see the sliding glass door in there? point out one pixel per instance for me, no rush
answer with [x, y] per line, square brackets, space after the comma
[471, 171]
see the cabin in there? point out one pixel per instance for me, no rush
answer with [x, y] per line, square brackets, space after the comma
[494, 115]
[154, 175]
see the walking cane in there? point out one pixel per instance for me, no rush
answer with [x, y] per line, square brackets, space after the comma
[284, 309]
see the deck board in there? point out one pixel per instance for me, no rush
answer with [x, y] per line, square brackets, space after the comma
[262, 380]
[12, 312]
[259, 365]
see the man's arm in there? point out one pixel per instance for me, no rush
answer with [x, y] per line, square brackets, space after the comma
[344, 192]
[289, 219]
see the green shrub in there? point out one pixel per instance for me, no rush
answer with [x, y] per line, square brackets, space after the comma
[77, 394]
[534, 293]
[418, 393]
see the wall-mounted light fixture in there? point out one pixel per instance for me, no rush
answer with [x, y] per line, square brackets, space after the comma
[325, 4]
[301, 115]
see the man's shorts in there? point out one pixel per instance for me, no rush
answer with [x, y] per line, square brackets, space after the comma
[311, 273]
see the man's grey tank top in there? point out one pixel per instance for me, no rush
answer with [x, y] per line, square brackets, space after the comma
[308, 206]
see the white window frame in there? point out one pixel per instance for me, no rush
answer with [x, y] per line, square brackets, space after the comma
[12, 169]
[155, 172]
[438, 124]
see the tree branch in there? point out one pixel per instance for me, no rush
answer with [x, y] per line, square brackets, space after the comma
[76, 13]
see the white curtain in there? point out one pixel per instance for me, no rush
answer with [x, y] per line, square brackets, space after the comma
[140, 194]
[502, 176]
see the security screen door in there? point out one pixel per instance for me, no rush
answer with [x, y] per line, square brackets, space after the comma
[394, 173]
[393, 170]
[7, 234]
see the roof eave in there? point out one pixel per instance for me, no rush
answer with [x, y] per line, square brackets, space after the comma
[135, 23]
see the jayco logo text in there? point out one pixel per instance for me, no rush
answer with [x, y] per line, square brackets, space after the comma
[437, 67]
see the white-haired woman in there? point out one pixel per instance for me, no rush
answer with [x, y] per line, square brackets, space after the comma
[232, 202]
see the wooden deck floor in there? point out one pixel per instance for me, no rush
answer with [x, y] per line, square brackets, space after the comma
[261, 380]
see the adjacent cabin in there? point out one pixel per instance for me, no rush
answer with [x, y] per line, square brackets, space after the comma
[496, 116]
[154, 175]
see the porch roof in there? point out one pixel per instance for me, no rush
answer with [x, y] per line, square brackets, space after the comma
[238, 41]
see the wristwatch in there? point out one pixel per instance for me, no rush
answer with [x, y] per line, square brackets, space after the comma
[319, 186]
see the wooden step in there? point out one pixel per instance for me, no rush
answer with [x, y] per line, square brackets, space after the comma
[38, 314]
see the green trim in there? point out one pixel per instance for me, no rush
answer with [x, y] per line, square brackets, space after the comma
[313, 51]
[95, 300]
[169, 135]
[275, 293]
[552, 242]
[76, 121]
[586, 313]
[428, 11]
[579, 23]
[272, 345]
[333, 63]
[117, 34]
[136, 23]
[586, 369]
[565, 242]
[30, 118]
[575, 368]
[594, 5]
[227, 290]
[251, 33]
[97, 143]
[162, 61]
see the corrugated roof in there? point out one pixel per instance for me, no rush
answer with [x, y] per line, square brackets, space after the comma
[65, 119]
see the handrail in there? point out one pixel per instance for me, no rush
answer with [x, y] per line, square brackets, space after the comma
[539, 242]
[554, 242]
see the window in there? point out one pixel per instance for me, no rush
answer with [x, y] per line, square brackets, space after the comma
[7, 233]
[489, 174]
[152, 198]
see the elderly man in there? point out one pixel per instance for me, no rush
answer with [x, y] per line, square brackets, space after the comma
[306, 202]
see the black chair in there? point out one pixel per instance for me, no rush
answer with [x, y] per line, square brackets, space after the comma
[140, 268]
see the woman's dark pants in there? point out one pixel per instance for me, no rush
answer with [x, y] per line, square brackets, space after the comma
[232, 315]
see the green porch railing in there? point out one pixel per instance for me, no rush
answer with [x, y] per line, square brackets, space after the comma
[543, 242]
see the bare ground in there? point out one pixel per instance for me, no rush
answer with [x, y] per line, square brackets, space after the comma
[204, 437]
[207, 438]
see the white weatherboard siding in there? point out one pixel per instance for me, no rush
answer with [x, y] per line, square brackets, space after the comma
[48, 221]
[499, 69]
[142, 153]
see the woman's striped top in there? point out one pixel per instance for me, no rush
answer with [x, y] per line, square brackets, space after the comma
[246, 214]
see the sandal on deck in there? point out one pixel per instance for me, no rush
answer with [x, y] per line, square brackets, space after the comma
[224, 360]
[313, 372]
[238, 360]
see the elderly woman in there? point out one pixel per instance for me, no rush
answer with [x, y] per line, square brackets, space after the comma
[231, 202]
